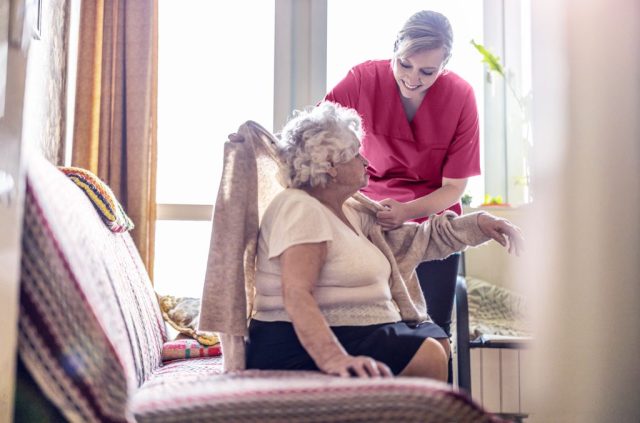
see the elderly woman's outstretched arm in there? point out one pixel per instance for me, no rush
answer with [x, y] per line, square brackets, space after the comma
[438, 237]
[447, 233]
[301, 265]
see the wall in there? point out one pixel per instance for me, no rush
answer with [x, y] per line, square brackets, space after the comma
[585, 250]
[491, 262]
[11, 205]
[34, 116]
[45, 98]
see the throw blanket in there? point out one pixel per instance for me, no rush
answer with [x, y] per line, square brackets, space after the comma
[495, 310]
[248, 184]
[182, 314]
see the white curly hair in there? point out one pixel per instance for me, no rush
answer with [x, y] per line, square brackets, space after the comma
[315, 140]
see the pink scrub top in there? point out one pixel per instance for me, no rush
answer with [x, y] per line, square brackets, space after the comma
[407, 160]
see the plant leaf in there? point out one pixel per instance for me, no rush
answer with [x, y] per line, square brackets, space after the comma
[490, 59]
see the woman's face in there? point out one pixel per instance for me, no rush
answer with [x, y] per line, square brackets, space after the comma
[353, 173]
[416, 73]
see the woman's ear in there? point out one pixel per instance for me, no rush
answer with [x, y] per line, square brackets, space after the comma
[332, 172]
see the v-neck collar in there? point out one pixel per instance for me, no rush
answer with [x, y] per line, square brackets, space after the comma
[405, 128]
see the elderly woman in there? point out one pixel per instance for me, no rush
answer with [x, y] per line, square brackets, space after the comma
[323, 297]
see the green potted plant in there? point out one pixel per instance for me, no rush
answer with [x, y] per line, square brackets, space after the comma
[495, 67]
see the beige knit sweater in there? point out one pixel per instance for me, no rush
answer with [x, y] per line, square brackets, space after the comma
[248, 184]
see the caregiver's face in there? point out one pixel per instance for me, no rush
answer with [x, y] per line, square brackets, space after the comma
[416, 73]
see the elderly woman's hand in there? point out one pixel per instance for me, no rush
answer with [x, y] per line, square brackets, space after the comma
[394, 214]
[504, 232]
[359, 366]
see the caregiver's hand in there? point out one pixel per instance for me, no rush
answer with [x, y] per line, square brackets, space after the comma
[394, 214]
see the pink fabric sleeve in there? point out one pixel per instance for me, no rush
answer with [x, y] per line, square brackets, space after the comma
[347, 91]
[463, 155]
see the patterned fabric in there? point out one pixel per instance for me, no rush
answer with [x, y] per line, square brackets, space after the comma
[183, 314]
[91, 336]
[55, 324]
[195, 390]
[90, 327]
[102, 198]
[188, 348]
[494, 310]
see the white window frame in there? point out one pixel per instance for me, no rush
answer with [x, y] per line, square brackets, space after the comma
[504, 148]
[300, 80]
[300, 72]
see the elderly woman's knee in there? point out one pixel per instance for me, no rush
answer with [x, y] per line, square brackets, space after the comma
[446, 344]
[437, 349]
[429, 361]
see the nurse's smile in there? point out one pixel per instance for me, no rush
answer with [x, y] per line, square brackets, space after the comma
[411, 87]
[416, 73]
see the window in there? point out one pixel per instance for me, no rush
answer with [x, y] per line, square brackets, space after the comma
[215, 71]
[507, 34]
[220, 65]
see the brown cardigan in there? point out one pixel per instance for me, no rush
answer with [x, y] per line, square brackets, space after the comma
[248, 184]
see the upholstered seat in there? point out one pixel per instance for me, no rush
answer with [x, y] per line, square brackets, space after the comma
[91, 335]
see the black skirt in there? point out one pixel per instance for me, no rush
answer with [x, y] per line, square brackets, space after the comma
[275, 345]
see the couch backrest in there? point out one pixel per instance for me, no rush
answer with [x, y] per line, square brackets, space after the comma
[90, 326]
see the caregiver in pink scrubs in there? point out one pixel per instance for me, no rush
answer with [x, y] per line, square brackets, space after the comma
[421, 138]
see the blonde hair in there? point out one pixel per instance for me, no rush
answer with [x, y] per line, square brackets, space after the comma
[314, 140]
[425, 30]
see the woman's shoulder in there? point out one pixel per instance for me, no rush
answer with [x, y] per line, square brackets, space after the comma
[372, 67]
[293, 199]
[452, 81]
[296, 211]
[289, 195]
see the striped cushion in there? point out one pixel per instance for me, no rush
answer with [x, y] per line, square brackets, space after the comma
[188, 348]
[102, 198]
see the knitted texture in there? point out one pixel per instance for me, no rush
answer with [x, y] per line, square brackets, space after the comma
[102, 198]
[411, 244]
[495, 310]
[188, 348]
[247, 186]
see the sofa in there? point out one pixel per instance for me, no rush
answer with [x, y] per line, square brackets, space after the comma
[91, 336]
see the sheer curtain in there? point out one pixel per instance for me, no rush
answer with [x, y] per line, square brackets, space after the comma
[115, 113]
